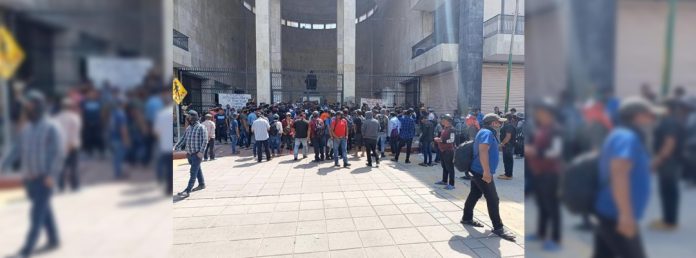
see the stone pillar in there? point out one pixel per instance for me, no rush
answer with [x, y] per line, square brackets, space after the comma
[263, 49]
[276, 48]
[470, 63]
[345, 31]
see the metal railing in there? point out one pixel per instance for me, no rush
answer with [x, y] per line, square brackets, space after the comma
[423, 46]
[503, 24]
[181, 40]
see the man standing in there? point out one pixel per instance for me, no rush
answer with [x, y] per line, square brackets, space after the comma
[210, 128]
[445, 142]
[426, 140]
[301, 131]
[370, 129]
[485, 162]
[70, 124]
[317, 131]
[394, 125]
[508, 134]
[358, 134]
[339, 134]
[260, 128]
[195, 139]
[234, 132]
[274, 135]
[39, 147]
[406, 134]
[624, 174]
[383, 125]
[221, 125]
[287, 131]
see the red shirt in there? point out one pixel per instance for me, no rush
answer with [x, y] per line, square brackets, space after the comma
[446, 135]
[340, 128]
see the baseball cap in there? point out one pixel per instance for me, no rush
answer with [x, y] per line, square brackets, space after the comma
[490, 117]
[634, 105]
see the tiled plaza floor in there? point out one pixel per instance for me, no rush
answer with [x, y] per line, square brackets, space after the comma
[289, 208]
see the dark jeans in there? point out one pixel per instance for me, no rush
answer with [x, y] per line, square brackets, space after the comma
[394, 144]
[261, 147]
[195, 172]
[668, 178]
[327, 150]
[209, 149]
[609, 243]
[288, 141]
[249, 134]
[437, 154]
[318, 143]
[221, 132]
[546, 194]
[41, 214]
[371, 147]
[508, 159]
[402, 142]
[448, 167]
[164, 171]
[480, 188]
[427, 150]
[70, 171]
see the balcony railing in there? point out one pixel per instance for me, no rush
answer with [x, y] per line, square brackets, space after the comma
[181, 40]
[423, 46]
[503, 24]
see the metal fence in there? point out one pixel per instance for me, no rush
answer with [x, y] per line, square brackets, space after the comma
[391, 89]
[203, 85]
[291, 86]
[503, 24]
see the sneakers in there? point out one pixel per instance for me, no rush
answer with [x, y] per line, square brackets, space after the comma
[183, 194]
[551, 246]
[662, 226]
[472, 223]
[368, 164]
[337, 165]
[449, 187]
[407, 162]
[504, 177]
[346, 165]
[502, 233]
[440, 183]
[423, 164]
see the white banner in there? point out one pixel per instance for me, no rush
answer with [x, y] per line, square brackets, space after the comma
[371, 102]
[236, 101]
[124, 73]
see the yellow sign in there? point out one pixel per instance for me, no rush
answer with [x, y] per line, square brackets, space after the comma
[178, 91]
[11, 54]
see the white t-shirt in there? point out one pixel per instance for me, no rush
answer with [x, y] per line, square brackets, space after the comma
[164, 128]
[260, 128]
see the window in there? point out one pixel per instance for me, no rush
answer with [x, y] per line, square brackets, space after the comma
[318, 26]
[248, 6]
[362, 18]
[305, 26]
[293, 24]
[330, 26]
[282, 21]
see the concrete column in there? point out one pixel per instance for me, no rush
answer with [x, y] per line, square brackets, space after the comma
[345, 25]
[592, 44]
[66, 63]
[263, 48]
[276, 48]
[470, 63]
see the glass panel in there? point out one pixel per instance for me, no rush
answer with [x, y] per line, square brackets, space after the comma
[330, 26]
[293, 24]
[318, 26]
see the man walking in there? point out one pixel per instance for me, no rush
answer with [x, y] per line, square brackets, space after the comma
[445, 142]
[406, 133]
[210, 128]
[301, 130]
[370, 129]
[483, 167]
[508, 134]
[260, 128]
[394, 126]
[38, 147]
[317, 131]
[339, 134]
[195, 139]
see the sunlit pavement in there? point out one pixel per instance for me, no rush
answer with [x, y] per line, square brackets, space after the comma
[303, 209]
[131, 218]
[657, 243]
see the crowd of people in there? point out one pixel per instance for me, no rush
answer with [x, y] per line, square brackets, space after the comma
[632, 139]
[336, 131]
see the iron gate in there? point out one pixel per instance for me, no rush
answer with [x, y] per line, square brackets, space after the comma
[392, 89]
[290, 86]
[204, 85]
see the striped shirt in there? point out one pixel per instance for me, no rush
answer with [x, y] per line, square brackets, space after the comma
[39, 148]
[195, 138]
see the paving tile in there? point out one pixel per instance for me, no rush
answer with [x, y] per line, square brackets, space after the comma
[357, 202]
[281, 229]
[362, 211]
[311, 205]
[383, 251]
[340, 225]
[410, 208]
[287, 206]
[500, 246]
[276, 246]
[421, 219]
[311, 215]
[335, 203]
[374, 201]
[418, 250]
[353, 194]
[395, 221]
[401, 200]
[348, 253]
[208, 211]
[194, 222]
[389, 209]
[378, 237]
[344, 240]
[366, 223]
[248, 232]
[406, 235]
[284, 216]
[333, 195]
[256, 218]
[245, 248]
[337, 213]
[453, 248]
[311, 243]
[311, 227]
[484, 253]
[435, 233]
[312, 255]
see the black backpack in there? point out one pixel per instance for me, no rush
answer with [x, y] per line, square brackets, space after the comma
[319, 128]
[274, 129]
[464, 156]
[580, 183]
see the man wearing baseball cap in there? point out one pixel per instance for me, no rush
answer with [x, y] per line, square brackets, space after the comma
[624, 174]
[483, 168]
[195, 141]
